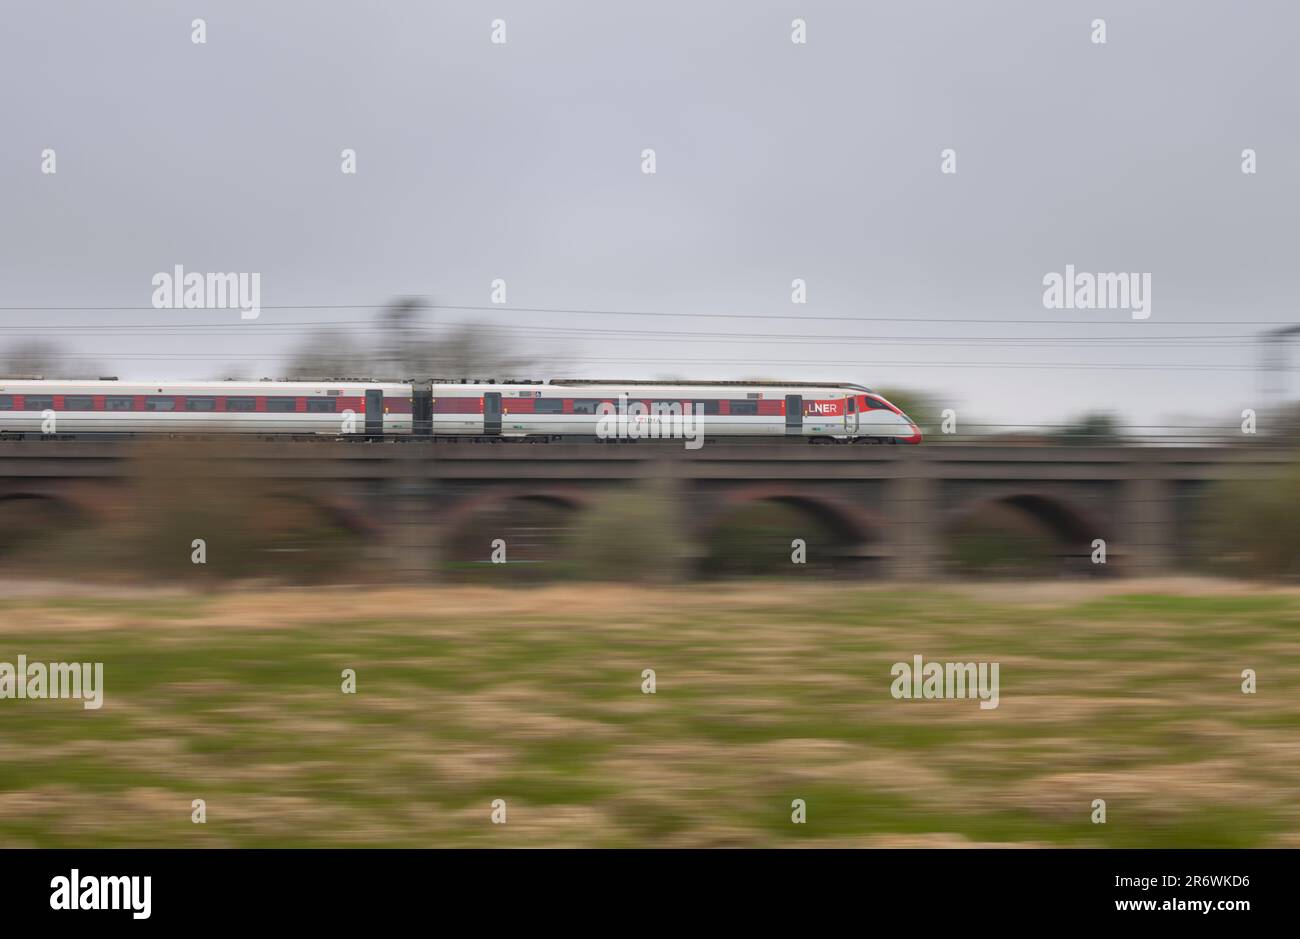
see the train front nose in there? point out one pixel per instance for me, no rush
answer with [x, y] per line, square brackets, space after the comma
[908, 431]
[881, 419]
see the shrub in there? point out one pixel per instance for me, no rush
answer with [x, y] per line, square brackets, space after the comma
[631, 534]
[1252, 527]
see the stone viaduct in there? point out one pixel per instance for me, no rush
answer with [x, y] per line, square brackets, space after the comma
[894, 506]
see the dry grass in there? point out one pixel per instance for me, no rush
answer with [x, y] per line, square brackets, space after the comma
[1127, 692]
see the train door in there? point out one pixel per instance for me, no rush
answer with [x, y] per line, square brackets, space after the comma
[851, 415]
[422, 409]
[793, 415]
[374, 412]
[492, 412]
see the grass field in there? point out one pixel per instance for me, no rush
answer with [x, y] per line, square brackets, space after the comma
[1127, 692]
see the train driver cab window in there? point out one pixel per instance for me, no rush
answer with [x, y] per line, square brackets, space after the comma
[241, 404]
[159, 403]
[321, 405]
[78, 403]
[118, 403]
[874, 404]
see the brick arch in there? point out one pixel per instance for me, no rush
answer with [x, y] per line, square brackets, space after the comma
[45, 495]
[850, 522]
[78, 505]
[60, 513]
[352, 518]
[1060, 516]
[465, 509]
[532, 521]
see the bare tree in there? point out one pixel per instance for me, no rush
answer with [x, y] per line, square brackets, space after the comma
[403, 350]
[400, 350]
[31, 357]
[471, 351]
[330, 353]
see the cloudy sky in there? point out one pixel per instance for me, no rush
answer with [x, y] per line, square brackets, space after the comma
[774, 161]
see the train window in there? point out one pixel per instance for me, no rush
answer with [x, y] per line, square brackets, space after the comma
[875, 405]
[78, 403]
[119, 403]
[851, 404]
[585, 405]
[281, 405]
[159, 403]
[241, 404]
[200, 404]
[744, 407]
[37, 402]
[6, 402]
[321, 405]
[705, 407]
[548, 405]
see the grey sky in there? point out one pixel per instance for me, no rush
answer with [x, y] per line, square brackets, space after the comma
[775, 161]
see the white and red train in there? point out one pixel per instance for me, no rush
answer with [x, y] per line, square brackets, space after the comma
[555, 410]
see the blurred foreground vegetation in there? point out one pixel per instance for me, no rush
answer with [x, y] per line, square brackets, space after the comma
[765, 694]
[1252, 527]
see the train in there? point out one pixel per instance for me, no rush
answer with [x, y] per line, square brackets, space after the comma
[465, 409]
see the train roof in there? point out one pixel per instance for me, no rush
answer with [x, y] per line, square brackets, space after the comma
[216, 386]
[316, 383]
[710, 382]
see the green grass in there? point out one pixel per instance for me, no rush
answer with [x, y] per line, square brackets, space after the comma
[766, 693]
